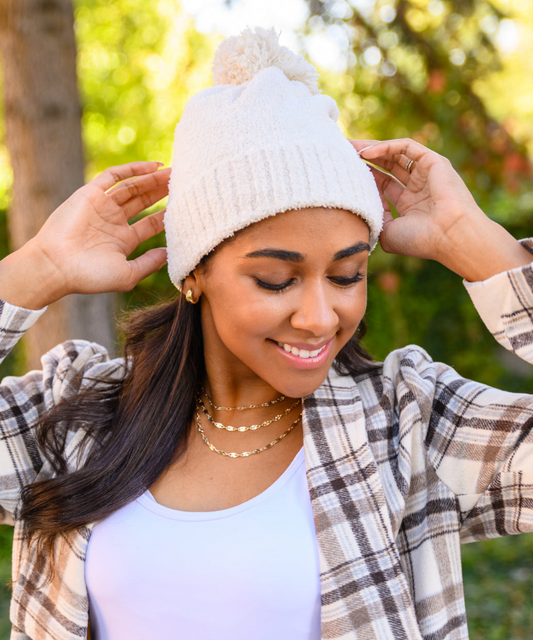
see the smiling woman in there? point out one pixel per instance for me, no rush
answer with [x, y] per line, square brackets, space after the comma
[297, 280]
[246, 470]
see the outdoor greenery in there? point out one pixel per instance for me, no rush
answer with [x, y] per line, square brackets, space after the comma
[440, 72]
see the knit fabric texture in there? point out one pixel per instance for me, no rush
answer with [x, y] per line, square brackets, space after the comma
[263, 140]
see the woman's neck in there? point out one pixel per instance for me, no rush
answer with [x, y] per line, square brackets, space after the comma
[244, 395]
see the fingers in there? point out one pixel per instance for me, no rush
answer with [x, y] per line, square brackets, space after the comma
[139, 185]
[392, 191]
[382, 175]
[388, 186]
[394, 166]
[393, 149]
[111, 176]
[149, 226]
[387, 217]
[360, 145]
[144, 201]
[394, 155]
[385, 172]
[145, 265]
[391, 167]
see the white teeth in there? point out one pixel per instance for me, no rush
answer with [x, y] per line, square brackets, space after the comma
[302, 353]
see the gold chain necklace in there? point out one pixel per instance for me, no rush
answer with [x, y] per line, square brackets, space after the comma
[244, 454]
[251, 406]
[252, 427]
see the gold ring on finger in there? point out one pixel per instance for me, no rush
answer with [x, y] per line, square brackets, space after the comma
[410, 165]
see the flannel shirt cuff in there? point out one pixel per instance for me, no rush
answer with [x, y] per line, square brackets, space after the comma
[505, 304]
[14, 322]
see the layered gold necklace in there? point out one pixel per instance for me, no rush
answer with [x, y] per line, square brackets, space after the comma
[200, 406]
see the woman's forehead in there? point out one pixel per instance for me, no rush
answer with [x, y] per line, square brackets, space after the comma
[298, 236]
[317, 226]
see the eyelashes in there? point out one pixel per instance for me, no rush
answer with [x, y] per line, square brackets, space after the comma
[346, 282]
[273, 287]
[339, 280]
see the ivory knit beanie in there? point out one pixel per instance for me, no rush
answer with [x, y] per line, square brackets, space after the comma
[261, 141]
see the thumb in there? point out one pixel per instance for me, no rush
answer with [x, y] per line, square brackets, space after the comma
[395, 237]
[408, 236]
[145, 265]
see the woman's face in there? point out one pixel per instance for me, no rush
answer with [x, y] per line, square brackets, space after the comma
[281, 299]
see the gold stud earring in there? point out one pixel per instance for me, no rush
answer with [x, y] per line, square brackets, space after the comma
[189, 298]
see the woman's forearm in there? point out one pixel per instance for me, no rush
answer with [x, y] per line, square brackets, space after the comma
[478, 248]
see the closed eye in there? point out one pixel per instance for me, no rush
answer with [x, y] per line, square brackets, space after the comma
[345, 282]
[339, 280]
[272, 286]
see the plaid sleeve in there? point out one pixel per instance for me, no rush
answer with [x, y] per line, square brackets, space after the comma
[505, 304]
[23, 400]
[481, 439]
[14, 322]
[14, 409]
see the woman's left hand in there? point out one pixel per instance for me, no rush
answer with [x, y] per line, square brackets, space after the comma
[438, 217]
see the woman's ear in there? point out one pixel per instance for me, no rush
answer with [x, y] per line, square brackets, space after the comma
[191, 287]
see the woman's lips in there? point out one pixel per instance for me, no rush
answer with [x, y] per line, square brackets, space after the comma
[301, 358]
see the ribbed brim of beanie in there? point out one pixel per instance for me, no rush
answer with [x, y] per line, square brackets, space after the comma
[246, 151]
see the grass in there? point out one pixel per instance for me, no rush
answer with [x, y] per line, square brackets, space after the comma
[498, 577]
[6, 540]
[498, 587]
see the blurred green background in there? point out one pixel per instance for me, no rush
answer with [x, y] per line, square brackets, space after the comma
[456, 76]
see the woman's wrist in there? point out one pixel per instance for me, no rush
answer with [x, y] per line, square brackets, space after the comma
[29, 279]
[477, 248]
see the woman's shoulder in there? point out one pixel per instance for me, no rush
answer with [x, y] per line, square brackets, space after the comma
[407, 367]
[410, 357]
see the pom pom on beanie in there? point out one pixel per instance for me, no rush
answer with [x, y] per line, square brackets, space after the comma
[239, 58]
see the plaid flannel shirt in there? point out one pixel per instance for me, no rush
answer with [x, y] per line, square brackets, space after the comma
[403, 464]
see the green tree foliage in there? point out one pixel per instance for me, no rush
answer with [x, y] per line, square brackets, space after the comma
[138, 65]
[498, 586]
[413, 67]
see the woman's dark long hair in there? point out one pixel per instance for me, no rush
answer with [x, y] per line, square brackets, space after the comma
[136, 426]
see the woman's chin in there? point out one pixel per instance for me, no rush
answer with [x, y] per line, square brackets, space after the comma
[298, 388]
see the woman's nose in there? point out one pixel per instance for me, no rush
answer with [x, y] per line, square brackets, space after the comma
[315, 313]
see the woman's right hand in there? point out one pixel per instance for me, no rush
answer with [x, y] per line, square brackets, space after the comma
[438, 218]
[84, 245]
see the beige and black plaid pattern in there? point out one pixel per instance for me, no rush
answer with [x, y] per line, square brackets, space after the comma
[403, 464]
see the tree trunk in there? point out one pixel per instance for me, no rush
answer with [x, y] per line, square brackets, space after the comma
[43, 136]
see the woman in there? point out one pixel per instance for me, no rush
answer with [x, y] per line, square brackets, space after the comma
[247, 471]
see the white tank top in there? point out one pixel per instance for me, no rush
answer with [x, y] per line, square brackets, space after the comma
[247, 572]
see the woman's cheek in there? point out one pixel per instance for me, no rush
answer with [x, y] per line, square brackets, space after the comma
[247, 319]
[354, 311]
[263, 311]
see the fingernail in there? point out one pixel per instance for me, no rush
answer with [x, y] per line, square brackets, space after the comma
[366, 148]
[161, 164]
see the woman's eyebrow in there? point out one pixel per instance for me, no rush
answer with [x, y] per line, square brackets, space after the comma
[279, 254]
[294, 256]
[359, 247]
